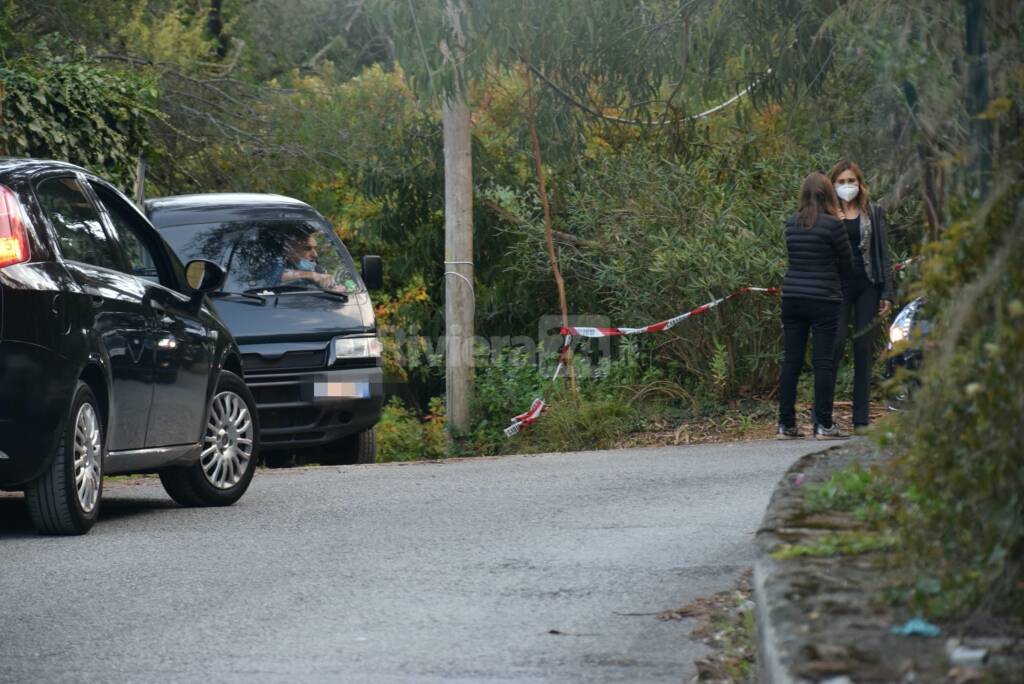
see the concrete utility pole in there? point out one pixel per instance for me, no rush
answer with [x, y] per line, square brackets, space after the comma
[459, 304]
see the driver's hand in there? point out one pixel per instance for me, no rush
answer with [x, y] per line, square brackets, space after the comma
[327, 281]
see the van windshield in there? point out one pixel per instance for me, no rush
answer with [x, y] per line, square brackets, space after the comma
[260, 255]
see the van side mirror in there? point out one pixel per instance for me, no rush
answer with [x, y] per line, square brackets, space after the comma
[204, 276]
[373, 272]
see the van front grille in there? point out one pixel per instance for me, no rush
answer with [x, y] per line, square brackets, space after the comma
[295, 360]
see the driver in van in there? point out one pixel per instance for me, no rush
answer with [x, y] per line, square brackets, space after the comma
[301, 263]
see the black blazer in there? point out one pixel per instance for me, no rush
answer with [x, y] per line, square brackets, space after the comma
[881, 265]
[819, 258]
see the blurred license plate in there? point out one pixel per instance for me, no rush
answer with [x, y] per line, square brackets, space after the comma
[341, 390]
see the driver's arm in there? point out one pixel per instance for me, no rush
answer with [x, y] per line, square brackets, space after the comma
[321, 279]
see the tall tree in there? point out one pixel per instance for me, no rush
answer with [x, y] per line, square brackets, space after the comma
[977, 94]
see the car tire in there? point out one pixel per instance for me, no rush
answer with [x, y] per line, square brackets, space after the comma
[229, 450]
[358, 448]
[65, 499]
[364, 446]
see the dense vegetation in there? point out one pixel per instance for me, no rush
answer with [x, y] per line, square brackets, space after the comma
[336, 102]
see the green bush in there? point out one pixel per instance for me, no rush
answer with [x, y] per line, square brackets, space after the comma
[505, 386]
[578, 423]
[656, 236]
[961, 443]
[402, 436]
[72, 109]
[612, 399]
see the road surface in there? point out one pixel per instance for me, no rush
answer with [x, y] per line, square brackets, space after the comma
[458, 571]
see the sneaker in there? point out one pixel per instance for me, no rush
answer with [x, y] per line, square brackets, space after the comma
[861, 430]
[788, 433]
[828, 432]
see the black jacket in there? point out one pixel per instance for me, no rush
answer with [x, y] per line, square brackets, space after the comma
[875, 251]
[819, 258]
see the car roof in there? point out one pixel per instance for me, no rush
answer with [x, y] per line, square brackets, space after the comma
[27, 165]
[217, 207]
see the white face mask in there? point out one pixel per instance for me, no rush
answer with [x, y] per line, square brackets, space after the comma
[848, 191]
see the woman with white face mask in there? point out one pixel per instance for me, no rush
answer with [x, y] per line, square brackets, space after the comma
[867, 292]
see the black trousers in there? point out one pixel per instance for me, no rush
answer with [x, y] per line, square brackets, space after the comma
[860, 306]
[800, 317]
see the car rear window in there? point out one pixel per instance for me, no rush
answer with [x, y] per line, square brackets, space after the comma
[258, 254]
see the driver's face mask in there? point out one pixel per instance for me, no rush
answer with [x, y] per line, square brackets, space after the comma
[306, 265]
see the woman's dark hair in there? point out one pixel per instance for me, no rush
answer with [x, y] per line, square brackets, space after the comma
[863, 197]
[817, 195]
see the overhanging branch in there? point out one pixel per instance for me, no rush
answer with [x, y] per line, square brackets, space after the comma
[561, 92]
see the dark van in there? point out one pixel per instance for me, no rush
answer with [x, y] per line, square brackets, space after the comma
[300, 313]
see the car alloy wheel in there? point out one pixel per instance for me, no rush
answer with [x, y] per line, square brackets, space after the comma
[227, 444]
[88, 456]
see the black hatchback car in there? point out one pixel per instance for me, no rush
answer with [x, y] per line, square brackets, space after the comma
[301, 313]
[111, 359]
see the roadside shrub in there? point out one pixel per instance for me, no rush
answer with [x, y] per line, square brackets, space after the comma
[402, 436]
[613, 398]
[505, 386]
[580, 423]
[961, 442]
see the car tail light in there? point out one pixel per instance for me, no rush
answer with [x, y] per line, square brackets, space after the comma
[13, 233]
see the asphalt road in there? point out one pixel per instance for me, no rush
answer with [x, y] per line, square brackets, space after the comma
[428, 572]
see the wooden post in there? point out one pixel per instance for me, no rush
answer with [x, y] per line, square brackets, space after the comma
[139, 192]
[459, 302]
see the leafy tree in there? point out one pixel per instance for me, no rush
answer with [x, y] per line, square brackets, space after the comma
[76, 110]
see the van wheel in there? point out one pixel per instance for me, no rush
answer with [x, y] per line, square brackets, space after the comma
[358, 448]
[230, 450]
[364, 446]
[66, 498]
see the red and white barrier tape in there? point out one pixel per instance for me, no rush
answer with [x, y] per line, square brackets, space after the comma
[666, 324]
[538, 405]
[905, 263]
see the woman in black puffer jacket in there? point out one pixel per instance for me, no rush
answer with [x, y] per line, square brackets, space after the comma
[819, 261]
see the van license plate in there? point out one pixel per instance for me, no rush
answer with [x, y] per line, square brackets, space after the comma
[341, 390]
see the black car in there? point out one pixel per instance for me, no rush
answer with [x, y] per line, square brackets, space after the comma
[300, 312]
[111, 359]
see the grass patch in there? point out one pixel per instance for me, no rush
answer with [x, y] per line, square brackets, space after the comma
[838, 544]
[867, 493]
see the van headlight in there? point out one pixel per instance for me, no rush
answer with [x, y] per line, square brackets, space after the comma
[356, 348]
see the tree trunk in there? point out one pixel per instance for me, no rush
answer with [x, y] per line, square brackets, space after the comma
[548, 230]
[977, 95]
[215, 27]
[458, 262]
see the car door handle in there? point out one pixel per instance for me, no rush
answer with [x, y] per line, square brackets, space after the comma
[97, 301]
